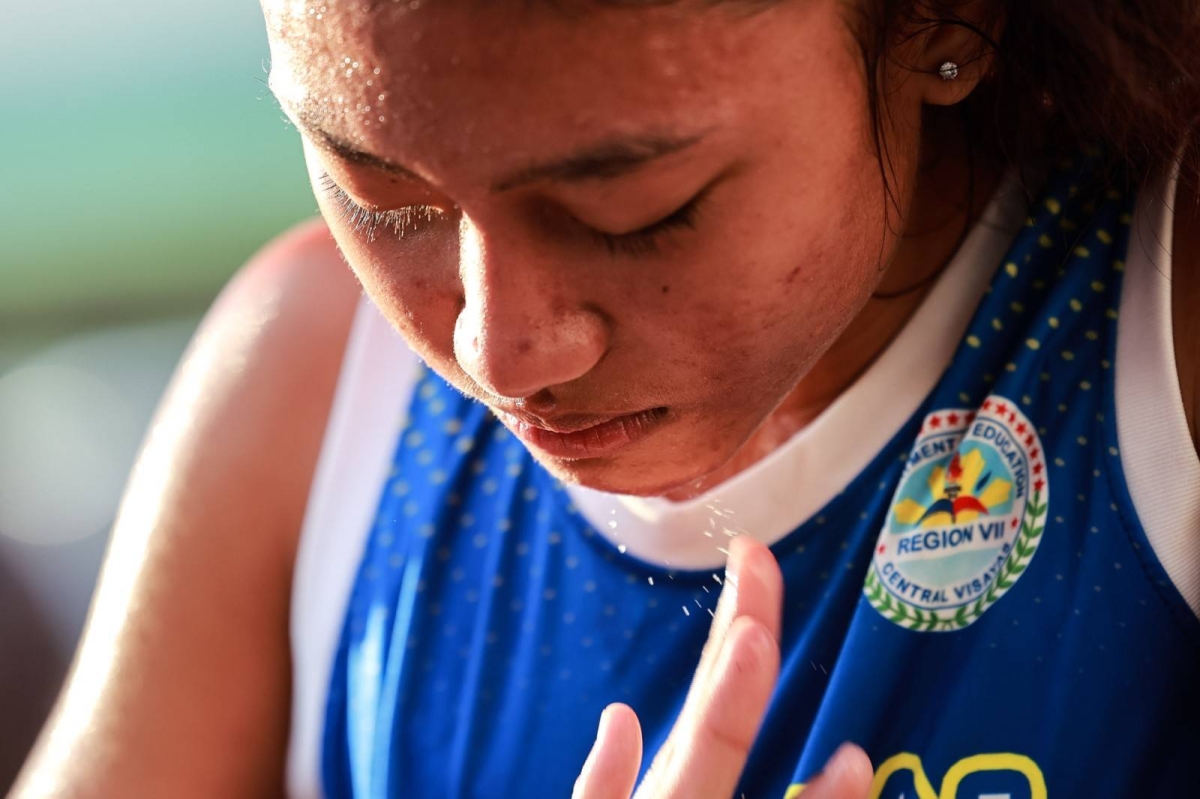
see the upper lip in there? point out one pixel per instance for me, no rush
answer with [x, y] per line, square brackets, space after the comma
[562, 424]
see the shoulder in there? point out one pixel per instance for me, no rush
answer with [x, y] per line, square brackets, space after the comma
[267, 358]
[193, 601]
[293, 295]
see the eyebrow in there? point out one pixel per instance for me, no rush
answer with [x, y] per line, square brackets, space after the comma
[609, 158]
[309, 122]
[606, 159]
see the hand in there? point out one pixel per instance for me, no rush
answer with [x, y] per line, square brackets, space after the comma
[706, 751]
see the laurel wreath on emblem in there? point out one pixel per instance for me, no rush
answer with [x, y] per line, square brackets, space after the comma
[1032, 526]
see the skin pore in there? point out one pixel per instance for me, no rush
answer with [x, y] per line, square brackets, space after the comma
[510, 143]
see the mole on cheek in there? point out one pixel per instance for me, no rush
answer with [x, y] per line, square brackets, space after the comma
[666, 289]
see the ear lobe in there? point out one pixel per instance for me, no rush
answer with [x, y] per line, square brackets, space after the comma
[948, 82]
[966, 40]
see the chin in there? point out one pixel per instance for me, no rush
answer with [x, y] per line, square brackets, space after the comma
[631, 475]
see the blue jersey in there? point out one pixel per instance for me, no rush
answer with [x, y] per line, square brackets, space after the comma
[980, 608]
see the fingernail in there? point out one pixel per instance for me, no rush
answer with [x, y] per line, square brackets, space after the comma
[757, 565]
[748, 643]
[584, 772]
[761, 641]
[605, 719]
[845, 758]
[837, 761]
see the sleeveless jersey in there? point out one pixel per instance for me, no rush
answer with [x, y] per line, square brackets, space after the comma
[979, 606]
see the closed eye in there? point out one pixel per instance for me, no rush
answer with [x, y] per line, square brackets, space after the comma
[367, 222]
[643, 242]
[647, 240]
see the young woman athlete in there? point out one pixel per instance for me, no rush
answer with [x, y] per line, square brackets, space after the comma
[889, 302]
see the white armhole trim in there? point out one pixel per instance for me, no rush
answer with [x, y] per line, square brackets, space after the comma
[373, 392]
[1161, 467]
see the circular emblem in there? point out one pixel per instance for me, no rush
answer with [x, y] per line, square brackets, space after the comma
[965, 520]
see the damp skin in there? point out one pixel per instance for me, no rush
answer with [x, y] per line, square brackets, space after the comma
[742, 325]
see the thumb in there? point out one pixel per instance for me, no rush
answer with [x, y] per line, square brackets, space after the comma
[847, 775]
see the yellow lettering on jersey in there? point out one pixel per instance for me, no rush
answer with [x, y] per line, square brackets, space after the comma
[1004, 761]
[975, 764]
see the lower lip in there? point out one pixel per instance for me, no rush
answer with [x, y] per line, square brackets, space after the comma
[601, 439]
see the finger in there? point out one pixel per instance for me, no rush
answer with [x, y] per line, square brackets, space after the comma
[710, 747]
[759, 589]
[847, 775]
[611, 769]
[754, 588]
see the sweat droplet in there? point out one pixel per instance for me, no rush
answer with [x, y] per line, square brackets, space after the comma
[650, 580]
[621, 548]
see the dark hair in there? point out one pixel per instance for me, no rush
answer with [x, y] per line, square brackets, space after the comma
[1120, 75]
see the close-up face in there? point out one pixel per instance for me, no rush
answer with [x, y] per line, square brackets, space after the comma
[629, 231]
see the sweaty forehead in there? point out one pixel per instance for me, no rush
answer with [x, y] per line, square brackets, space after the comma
[436, 80]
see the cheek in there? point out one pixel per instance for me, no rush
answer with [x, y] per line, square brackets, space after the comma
[762, 313]
[794, 266]
[414, 282]
[413, 278]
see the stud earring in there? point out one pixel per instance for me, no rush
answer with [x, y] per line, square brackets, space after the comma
[948, 71]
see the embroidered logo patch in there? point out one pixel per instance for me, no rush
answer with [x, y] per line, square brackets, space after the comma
[965, 521]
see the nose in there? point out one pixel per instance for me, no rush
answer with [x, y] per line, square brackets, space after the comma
[523, 327]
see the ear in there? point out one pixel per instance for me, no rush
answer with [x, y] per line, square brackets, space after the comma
[964, 37]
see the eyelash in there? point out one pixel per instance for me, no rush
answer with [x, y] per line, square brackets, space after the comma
[646, 241]
[637, 243]
[364, 221]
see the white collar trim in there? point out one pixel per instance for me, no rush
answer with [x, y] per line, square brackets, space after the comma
[779, 493]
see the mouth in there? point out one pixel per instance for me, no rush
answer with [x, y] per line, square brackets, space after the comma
[578, 436]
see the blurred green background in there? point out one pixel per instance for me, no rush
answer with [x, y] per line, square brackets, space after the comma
[142, 161]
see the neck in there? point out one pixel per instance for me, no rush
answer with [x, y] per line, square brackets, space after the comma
[948, 198]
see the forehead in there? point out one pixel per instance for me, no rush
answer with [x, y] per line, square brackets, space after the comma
[439, 79]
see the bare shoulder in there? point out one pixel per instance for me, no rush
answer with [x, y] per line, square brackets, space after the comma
[1185, 297]
[267, 359]
[181, 687]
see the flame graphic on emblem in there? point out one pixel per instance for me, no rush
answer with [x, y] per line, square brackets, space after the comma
[959, 493]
